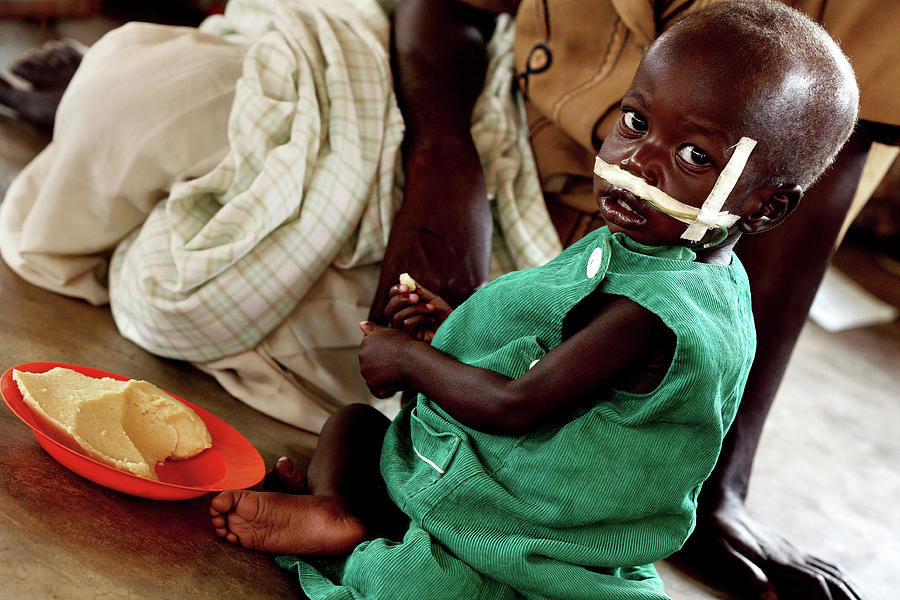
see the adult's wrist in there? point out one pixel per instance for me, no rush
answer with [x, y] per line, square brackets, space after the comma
[443, 173]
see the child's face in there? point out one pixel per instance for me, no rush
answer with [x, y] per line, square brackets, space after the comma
[676, 131]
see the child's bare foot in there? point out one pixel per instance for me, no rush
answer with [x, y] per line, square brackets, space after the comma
[286, 478]
[49, 71]
[286, 523]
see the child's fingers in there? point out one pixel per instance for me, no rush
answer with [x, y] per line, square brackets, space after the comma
[414, 325]
[399, 288]
[400, 318]
[427, 296]
[401, 299]
[402, 288]
[421, 293]
[400, 302]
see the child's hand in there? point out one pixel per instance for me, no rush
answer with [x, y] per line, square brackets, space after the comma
[382, 359]
[418, 313]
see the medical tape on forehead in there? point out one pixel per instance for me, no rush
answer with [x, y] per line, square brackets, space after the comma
[709, 215]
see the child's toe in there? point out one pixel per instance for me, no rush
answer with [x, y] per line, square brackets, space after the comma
[222, 503]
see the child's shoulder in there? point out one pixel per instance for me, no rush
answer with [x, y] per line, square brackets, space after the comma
[689, 296]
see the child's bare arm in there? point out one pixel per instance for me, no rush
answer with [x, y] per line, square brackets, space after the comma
[621, 338]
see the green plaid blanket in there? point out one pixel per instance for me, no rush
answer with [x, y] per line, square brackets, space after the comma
[311, 179]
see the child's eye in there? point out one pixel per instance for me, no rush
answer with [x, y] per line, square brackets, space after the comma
[694, 156]
[634, 121]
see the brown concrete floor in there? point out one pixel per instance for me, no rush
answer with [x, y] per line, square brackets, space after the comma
[826, 474]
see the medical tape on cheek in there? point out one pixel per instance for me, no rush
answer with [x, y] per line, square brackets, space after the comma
[709, 212]
[709, 215]
[637, 186]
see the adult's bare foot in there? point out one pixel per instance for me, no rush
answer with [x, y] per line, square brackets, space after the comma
[286, 523]
[48, 71]
[735, 552]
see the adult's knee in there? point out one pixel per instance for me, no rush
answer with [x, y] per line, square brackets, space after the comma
[143, 77]
[152, 101]
[98, 95]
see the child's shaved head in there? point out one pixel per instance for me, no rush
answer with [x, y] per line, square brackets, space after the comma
[797, 92]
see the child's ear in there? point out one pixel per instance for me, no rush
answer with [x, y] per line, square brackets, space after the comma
[772, 206]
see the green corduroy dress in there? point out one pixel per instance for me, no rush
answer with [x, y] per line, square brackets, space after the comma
[573, 511]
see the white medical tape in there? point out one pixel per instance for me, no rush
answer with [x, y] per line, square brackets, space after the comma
[720, 191]
[709, 215]
[655, 196]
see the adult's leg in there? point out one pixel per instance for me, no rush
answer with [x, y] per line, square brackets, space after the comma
[785, 267]
[348, 502]
[148, 106]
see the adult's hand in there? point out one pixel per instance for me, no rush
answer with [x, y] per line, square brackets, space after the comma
[443, 230]
[735, 552]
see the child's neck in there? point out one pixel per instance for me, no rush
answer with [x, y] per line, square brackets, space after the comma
[718, 255]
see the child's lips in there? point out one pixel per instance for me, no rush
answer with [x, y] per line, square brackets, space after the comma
[622, 208]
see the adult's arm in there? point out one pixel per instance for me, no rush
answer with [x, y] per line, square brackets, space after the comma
[442, 233]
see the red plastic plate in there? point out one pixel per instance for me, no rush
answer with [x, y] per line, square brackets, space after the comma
[231, 463]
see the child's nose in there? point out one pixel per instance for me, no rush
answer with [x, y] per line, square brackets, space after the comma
[645, 161]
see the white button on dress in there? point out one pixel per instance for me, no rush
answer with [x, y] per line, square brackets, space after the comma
[594, 262]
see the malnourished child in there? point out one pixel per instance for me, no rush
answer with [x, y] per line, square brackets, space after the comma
[567, 415]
